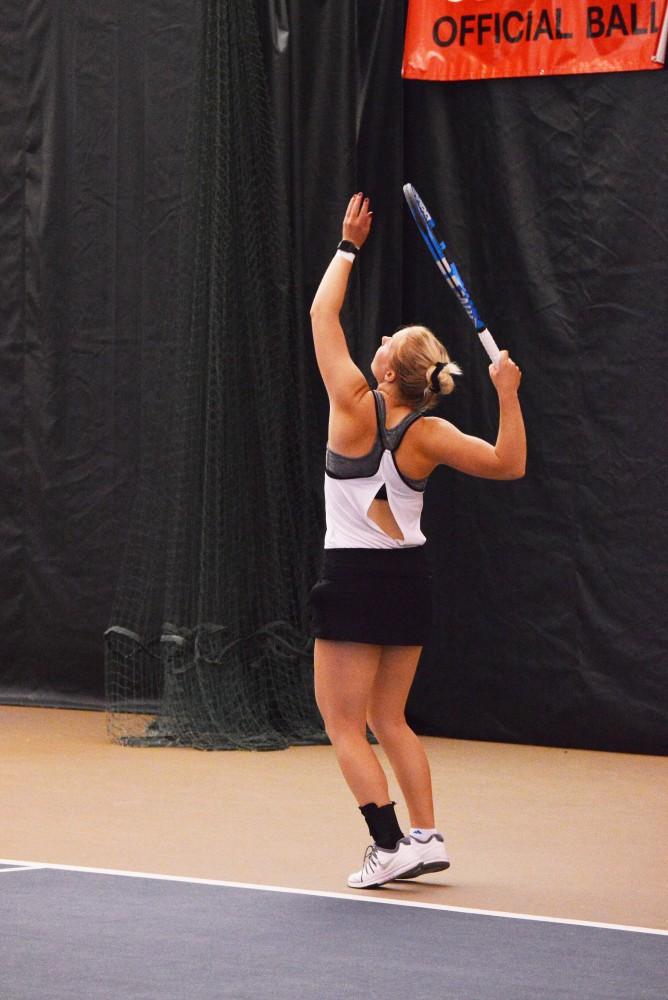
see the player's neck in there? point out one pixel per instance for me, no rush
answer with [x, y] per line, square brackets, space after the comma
[393, 398]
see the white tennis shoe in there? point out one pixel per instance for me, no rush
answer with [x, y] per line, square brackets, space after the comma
[382, 865]
[432, 854]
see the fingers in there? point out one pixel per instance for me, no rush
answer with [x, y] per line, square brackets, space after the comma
[358, 219]
[504, 361]
[358, 204]
[353, 207]
[503, 366]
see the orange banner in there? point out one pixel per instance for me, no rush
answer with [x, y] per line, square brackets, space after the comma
[485, 39]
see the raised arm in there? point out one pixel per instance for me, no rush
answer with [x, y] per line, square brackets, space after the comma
[343, 379]
[506, 459]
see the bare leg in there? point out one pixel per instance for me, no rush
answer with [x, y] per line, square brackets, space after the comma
[386, 715]
[344, 675]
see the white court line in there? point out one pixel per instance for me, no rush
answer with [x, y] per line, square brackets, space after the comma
[338, 895]
[22, 868]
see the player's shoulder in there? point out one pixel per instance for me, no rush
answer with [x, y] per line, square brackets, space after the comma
[433, 432]
[436, 425]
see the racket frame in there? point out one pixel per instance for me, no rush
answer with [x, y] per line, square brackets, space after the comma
[437, 246]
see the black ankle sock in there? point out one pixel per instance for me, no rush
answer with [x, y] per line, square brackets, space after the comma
[382, 822]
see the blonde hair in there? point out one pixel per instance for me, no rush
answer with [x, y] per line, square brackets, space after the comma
[414, 359]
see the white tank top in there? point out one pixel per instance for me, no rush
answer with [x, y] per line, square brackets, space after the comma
[351, 484]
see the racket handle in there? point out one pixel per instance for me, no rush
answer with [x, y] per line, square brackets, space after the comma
[488, 342]
[660, 52]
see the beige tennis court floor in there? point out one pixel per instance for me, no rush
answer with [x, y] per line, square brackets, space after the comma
[576, 835]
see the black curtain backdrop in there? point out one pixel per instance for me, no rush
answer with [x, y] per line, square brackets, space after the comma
[95, 102]
[550, 591]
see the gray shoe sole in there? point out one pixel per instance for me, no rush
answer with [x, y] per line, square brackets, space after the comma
[432, 866]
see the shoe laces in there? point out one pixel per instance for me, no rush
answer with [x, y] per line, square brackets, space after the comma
[371, 859]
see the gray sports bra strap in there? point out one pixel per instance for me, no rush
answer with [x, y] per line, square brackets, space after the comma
[380, 417]
[392, 436]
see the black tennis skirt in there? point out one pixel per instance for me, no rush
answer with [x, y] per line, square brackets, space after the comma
[379, 596]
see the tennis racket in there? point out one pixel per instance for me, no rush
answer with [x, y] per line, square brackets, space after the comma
[437, 247]
[660, 51]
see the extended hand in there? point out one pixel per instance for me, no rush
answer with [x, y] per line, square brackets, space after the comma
[357, 220]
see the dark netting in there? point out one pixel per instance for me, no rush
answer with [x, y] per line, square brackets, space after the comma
[208, 641]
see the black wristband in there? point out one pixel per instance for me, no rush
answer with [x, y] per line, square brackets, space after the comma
[348, 247]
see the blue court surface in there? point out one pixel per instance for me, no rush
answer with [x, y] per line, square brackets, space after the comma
[70, 933]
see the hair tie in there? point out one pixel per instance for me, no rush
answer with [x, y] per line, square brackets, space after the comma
[434, 382]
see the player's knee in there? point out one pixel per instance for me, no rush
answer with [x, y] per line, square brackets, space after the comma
[340, 725]
[388, 729]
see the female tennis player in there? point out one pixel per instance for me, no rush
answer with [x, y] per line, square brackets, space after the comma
[371, 607]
